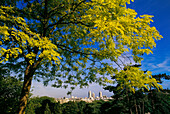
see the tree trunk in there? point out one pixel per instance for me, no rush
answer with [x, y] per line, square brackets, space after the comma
[143, 107]
[26, 89]
[140, 110]
[136, 108]
[152, 100]
[130, 110]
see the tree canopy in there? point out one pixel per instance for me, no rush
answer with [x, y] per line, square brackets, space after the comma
[73, 41]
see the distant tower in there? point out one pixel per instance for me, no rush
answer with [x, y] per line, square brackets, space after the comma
[89, 94]
[100, 94]
[93, 95]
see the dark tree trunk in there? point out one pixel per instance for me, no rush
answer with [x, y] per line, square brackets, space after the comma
[152, 100]
[136, 108]
[26, 89]
[143, 107]
[28, 76]
[140, 110]
[130, 109]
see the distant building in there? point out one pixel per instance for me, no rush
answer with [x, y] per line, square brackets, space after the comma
[100, 94]
[90, 99]
[89, 94]
[93, 95]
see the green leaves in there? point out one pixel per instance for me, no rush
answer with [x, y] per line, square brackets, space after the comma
[77, 40]
[25, 39]
[9, 93]
[134, 78]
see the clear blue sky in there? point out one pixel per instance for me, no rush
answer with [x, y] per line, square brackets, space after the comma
[158, 62]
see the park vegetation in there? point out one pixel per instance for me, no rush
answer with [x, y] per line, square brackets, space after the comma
[123, 102]
[139, 103]
[75, 42]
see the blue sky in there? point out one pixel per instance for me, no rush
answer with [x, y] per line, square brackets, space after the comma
[158, 62]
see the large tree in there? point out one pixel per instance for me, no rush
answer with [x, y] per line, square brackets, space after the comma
[72, 41]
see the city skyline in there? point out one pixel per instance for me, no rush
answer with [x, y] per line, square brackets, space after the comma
[41, 90]
[91, 97]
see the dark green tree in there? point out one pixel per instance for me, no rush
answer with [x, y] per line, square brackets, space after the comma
[70, 108]
[94, 107]
[122, 94]
[47, 109]
[10, 89]
[142, 101]
[81, 107]
[37, 105]
[159, 99]
[57, 109]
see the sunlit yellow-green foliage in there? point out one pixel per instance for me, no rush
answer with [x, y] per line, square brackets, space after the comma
[24, 39]
[78, 38]
[134, 78]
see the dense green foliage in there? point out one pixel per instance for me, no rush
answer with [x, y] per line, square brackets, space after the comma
[123, 102]
[10, 90]
[152, 101]
[41, 105]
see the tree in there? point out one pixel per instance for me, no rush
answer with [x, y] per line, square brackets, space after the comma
[71, 41]
[81, 106]
[47, 110]
[38, 105]
[70, 108]
[158, 99]
[10, 89]
[142, 101]
[123, 96]
[93, 108]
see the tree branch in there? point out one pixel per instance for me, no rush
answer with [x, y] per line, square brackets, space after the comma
[62, 18]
